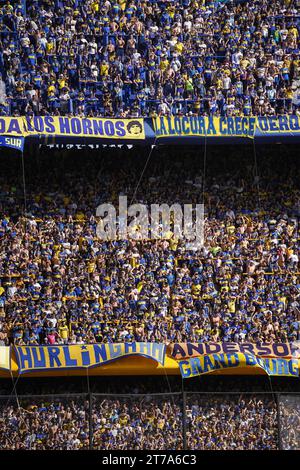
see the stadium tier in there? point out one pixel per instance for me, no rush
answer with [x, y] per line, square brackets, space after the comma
[144, 58]
[152, 421]
[62, 284]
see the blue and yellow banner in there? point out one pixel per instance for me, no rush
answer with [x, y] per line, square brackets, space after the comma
[5, 358]
[204, 126]
[149, 131]
[77, 359]
[288, 125]
[181, 351]
[212, 127]
[12, 126]
[43, 358]
[60, 126]
[201, 365]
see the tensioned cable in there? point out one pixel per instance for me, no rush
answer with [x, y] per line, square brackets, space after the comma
[88, 379]
[204, 167]
[15, 393]
[14, 389]
[90, 399]
[274, 394]
[24, 190]
[184, 421]
[257, 185]
[143, 171]
[169, 385]
[14, 383]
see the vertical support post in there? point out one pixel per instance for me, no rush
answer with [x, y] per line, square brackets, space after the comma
[278, 421]
[91, 433]
[184, 421]
[24, 182]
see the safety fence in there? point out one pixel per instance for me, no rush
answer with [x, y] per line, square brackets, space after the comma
[166, 421]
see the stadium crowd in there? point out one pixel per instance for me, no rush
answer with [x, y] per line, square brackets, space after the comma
[61, 284]
[290, 422]
[147, 423]
[49, 425]
[229, 423]
[123, 58]
[224, 422]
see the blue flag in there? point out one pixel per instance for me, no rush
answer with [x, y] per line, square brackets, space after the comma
[16, 143]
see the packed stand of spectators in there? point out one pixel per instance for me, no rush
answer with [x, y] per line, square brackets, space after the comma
[61, 284]
[137, 424]
[146, 57]
[231, 423]
[148, 422]
[44, 425]
[290, 422]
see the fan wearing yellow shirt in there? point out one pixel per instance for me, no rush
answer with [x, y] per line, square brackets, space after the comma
[63, 331]
[226, 29]
[123, 420]
[173, 244]
[199, 332]
[104, 69]
[219, 83]
[51, 88]
[161, 423]
[95, 6]
[244, 63]
[150, 417]
[171, 10]
[62, 83]
[80, 216]
[231, 305]
[196, 290]
[230, 229]
[49, 47]
[294, 32]
[91, 267]
[179, 46]
[164, 65]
